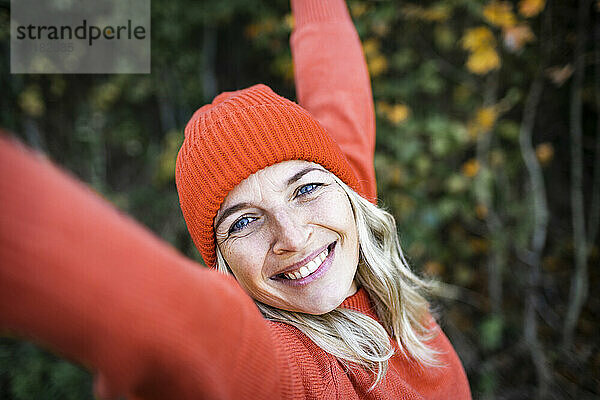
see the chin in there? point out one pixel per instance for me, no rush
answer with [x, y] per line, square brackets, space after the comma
[323, 307]
[330, 299]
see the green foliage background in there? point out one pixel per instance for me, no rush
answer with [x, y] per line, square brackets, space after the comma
[451, 149]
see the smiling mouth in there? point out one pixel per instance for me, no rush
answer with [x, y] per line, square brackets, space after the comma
[309, 268]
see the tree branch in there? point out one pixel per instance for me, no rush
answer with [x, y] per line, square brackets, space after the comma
[540, 217]
[579, 284]
[594, 220]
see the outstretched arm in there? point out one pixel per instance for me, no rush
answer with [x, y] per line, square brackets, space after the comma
[332, 81]
[81, 278]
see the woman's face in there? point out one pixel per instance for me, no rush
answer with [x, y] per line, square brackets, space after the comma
[289, 236]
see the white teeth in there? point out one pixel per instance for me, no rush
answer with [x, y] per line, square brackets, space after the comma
[304, 271]
[309, 267]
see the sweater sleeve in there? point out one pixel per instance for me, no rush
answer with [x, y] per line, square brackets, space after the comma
[84, 280]
[332, 81]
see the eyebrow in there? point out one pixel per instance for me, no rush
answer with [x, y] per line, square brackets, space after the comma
[303, 172]
[230, 211]
[239, 206]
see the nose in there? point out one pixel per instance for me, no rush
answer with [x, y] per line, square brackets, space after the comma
[290, 231]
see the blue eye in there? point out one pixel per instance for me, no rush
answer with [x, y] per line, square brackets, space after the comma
[241, 224]
[308, 188]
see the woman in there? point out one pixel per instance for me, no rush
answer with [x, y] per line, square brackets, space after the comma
[269, 197]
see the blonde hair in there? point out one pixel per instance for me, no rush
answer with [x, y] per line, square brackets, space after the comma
[396, 292]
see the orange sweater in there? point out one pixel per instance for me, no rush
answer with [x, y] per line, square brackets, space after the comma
[81, 278]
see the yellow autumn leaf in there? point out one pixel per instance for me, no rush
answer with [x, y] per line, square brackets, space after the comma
[398, 113]
[481, 211]
[517, 36]
[477, 38]
[483, 61]
[376, 62]
[357, 9]
[370, 47]
[483, 122]
[288, 21]
[105, 95]
[470, 168]
[486, 118]
[499, 13]
[377, 65]
[531, 8]
[544, 152]
[31, 101]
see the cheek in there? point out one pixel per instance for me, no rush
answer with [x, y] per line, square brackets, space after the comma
[345, 216]
[245, 257]
[337, 212]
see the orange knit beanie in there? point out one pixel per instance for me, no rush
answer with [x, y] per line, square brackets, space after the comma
[238, 134]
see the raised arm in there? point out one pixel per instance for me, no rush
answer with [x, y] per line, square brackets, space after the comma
[332, 81]
[88, 282]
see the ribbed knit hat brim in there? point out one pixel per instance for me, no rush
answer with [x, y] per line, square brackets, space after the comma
[237, 135]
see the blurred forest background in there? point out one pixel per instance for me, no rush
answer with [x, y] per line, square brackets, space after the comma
[488, 154]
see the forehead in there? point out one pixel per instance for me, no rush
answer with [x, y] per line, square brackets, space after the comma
[273, 178]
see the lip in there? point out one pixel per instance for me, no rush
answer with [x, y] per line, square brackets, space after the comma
[315, 275]
[302, 262]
